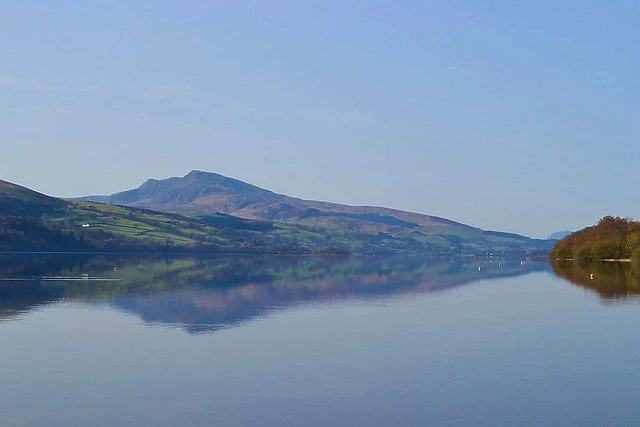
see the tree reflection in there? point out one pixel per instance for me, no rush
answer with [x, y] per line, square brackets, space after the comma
[610, 280]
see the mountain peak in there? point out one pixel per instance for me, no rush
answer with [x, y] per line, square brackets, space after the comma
[218, 183]
[195, 173]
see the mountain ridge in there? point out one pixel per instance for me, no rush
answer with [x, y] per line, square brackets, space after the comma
[559, 235]
[172, 194]
[200, 192]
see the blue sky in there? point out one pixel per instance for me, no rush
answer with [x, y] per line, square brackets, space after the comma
[512, 116]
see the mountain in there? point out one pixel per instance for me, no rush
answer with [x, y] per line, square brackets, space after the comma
[34, 222]
[205, 193]
[559, 235]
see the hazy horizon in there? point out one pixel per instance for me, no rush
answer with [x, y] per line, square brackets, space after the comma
[507, 117]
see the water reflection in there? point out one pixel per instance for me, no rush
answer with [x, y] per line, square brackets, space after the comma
[204, 294]
[612, 281]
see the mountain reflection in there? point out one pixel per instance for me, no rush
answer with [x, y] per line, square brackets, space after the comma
[204, 294]
[612, 281]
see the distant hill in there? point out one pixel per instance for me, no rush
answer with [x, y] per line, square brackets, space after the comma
[559, 235]
[206, 193]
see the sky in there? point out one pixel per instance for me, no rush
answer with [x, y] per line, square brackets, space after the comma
[505, 115]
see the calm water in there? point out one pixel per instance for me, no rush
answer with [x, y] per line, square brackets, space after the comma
[244, 341]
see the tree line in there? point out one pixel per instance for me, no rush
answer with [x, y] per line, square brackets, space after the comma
[611, 238]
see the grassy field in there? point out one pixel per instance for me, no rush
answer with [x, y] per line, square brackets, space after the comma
[224, 231]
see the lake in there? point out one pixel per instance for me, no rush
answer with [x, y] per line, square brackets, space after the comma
[261, 341]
